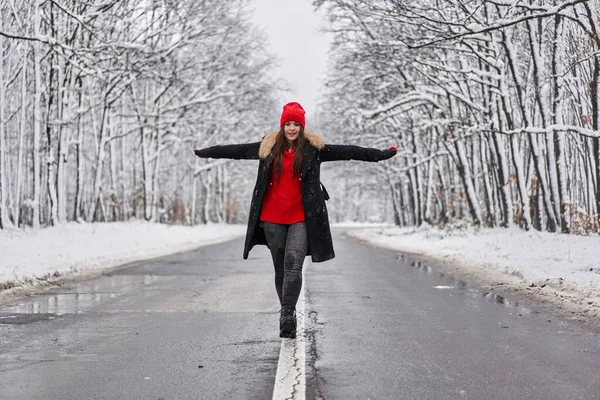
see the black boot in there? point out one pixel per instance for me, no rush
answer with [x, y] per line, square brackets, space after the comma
[287, 322]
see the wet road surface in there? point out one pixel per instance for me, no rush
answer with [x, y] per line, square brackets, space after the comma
[387, 328]
[198, 325]
[203, 325]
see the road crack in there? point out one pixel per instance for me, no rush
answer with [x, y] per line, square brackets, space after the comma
[313, 332]
[298, 369]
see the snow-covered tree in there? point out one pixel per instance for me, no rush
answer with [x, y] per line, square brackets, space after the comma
[494, 103]
[103, 103]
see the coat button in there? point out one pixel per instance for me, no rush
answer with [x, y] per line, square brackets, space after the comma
[308, 214]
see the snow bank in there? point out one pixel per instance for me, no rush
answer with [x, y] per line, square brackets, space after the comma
[32, 257]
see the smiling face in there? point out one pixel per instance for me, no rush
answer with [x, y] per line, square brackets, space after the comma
[291, 130]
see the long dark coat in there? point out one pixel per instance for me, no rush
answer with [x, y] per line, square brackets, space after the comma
[320, 245]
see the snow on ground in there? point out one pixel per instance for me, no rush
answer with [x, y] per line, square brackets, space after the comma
[562, 272]
[34, 259]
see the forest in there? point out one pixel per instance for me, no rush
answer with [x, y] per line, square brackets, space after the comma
[103, 102]
[494, 104]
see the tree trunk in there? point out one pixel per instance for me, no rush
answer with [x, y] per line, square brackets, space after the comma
[428, 192]
[51, 159]
[78, 212]
[146, 175]
[155, 177]
[3, 189]
[490, 218]
[394, 190]
[506, 209]
[595, 100]
[37, 118]
[194, 193]
[412, 197]
[559, 155]
[114, 203]
[97, 194]
[125, 193]
[22, 130]
[206, 181]
[416, 183]
[219, 195]
[61, 179]
[444, 216]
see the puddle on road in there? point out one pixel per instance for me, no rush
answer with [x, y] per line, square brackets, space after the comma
[463, 288]
[79, 297]
[22, 319]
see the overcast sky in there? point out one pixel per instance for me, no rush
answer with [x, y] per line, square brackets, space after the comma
[293, 30]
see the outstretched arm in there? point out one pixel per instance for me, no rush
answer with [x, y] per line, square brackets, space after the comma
[335, 152]
[244, 151]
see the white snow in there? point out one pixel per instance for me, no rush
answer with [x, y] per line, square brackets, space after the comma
[31, 258]
[562, 270]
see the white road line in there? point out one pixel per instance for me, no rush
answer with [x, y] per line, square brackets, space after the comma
[290, 381]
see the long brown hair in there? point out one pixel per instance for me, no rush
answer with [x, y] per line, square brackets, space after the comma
[279, 147]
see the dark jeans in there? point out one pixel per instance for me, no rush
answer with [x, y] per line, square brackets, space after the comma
[288, 245]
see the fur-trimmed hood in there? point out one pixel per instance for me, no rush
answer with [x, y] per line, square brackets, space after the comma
[266, 145]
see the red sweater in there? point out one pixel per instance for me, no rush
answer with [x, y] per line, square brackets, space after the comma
[283, 200]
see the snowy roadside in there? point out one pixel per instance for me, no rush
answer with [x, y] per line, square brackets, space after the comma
[34, 259]
[561, 272]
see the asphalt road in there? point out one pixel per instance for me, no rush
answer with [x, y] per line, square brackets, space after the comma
[203, 325]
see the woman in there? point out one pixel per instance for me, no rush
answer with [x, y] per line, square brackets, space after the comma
[288, 212]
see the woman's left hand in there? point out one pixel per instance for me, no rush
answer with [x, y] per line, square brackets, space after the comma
[394, 147]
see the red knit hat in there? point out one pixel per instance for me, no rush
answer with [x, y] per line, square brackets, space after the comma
[292, 112]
